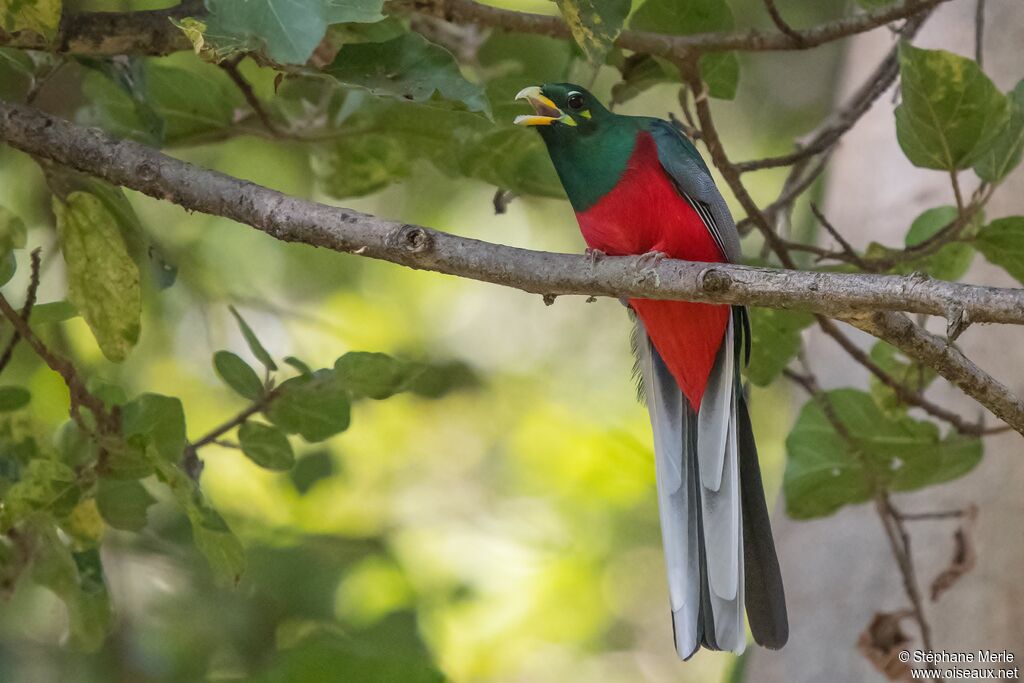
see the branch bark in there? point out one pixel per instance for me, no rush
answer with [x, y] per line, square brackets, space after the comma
[861, 299]
[151, 33]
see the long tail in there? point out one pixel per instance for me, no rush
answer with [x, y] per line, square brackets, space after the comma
[714, 521]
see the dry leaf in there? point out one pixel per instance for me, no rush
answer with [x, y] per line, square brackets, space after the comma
[882, 641]
[964, 555]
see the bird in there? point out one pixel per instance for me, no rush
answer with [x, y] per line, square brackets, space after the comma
[638, 186]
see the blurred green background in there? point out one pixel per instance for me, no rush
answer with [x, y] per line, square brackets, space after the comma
[507, 531]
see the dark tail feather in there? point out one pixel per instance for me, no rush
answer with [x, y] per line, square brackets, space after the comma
[765, 598]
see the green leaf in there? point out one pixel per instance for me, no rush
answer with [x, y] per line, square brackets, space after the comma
[123, 504]
[638, 72]
[354, 166]
[376, 375]
[315, 407]
[53, 312]
[287, 31]
[253, 341]
[159, 421]
[310, 469]
[1005, 153]
[13, 398]
[103, 281]
[77, 579]
[594, 24]
[266, 446]
[825, 471]
[1002, 243]
[948, 263]
[237, 374]
[298, 365]
[12, 231]
[45, 485]
[907, 371]
[951, 112]
[775, 339]
[212, 536]
[38, 16]
[409, 68]
[719, 71]
[8, 267]
[513, 159]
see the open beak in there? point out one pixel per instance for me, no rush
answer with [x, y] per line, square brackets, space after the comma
[545, 111]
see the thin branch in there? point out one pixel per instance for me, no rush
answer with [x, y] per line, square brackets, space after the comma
[26, 309]
[151, 33]
[848, 249]
[979, 32]
[781, 24]
[846, 296]
[230, 67]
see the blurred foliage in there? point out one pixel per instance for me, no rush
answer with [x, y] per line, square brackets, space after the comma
[405, 477]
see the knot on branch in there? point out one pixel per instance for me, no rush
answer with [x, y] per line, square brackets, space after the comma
[714, 281]
[412, 239]
[146, 172]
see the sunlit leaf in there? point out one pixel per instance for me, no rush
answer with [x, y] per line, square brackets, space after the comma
[951, 112]
[44, 485]
[594, 24]
[1005, 153]
[237, 374]
[103, 281]
[906, 371]
[775, 340]
[825, 470]
[1002, 243]
[38, 16]
[53, 312]
[124, 504]
[266, 446]
[719, 71]
[315, 407]
[409, 68]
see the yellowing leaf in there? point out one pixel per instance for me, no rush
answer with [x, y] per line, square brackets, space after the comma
[103, 280]
[594, 24]
[38, 16]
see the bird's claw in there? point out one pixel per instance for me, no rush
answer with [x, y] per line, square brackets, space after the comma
[594, 255]
[646, 265]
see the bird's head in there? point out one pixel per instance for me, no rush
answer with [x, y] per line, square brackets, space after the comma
[563, 110]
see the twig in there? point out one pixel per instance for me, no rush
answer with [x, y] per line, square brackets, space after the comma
[781, 24]
[230, 67]
[836, 235]
[920, 516]
[979, 32]
[26, 309]
[190, 461]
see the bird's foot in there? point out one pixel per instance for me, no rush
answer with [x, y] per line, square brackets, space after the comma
[647, 263]
[594, 255]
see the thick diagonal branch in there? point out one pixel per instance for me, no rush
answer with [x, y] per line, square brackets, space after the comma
[288, 218]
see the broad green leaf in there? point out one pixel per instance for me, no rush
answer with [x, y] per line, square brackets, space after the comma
[775, 340]
[719, 71]
[253, 341]
[103, 281]
[299, 365]
[353, 166]
[8, 267]
[213, 537]
[237, 374]
[266, 446]
[1002, 243]
[513, 159]
[38, 16]
[594, 24]
[287, 31]
[12, 231]
[315, 407]
[311, 468]
[951, 112]
[437, 379]
[123, 504]
[375, 375]
[824, 471]
[1005, 153]
[13, 398]
[53, 312]
[948, 263]
[638, 72]
[77, 579]
[159, 421]
[408, 68]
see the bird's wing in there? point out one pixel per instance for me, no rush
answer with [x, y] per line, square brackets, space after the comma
[683, 163]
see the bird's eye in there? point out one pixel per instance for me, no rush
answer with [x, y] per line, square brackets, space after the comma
[575, 100]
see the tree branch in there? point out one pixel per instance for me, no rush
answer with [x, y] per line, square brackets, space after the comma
[846, 296]
[151, 33]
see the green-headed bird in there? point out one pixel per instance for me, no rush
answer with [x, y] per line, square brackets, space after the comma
[639, 186]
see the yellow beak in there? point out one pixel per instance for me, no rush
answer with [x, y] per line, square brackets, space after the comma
[545, 113]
